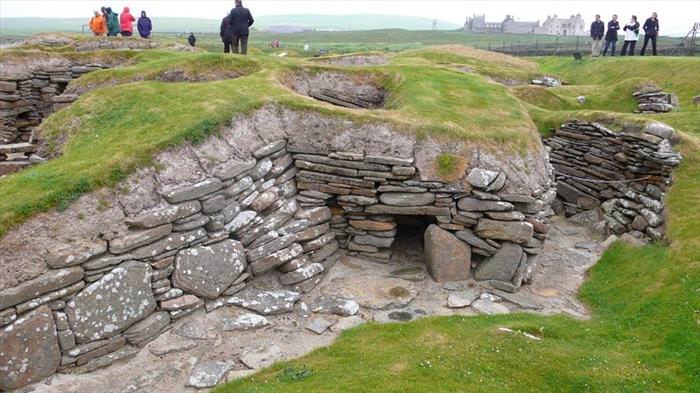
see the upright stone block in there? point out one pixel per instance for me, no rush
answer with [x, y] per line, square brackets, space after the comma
[113, 303]
[447, 257]
[29, 349]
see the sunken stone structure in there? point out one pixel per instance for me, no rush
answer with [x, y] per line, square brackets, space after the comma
[281, 194]
[29, 92]
[614, 180]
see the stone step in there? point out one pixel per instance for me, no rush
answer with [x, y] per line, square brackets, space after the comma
[23, 147]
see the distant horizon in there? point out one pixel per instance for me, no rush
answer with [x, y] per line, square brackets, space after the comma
[676, 16]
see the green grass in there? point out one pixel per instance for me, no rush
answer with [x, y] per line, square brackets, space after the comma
[643, 335]
[129, 116]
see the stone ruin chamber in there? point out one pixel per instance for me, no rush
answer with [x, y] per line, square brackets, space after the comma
[280, 196]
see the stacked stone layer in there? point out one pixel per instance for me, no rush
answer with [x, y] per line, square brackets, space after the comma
[621, 177]
[102, 299]
[25, 100]
[654, 100]
[367, 191]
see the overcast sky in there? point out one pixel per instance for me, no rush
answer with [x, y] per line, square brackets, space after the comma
[675, 16]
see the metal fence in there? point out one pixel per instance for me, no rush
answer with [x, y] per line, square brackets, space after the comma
[665, 47]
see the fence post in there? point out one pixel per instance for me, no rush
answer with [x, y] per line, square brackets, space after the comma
[577, 43]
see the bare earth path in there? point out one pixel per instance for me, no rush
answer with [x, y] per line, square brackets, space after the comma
[559, 273]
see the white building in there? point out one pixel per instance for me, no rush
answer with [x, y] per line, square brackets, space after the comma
[573, 25]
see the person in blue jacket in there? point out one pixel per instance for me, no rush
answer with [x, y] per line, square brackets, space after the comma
[144, 25]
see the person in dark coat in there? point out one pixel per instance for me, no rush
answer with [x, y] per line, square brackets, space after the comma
[226, 33]
[240, 20]
[144, 25]
[651, 32]
[631, 30]
[611, 36]
[112, 23]
[191, 39]
[597, 32]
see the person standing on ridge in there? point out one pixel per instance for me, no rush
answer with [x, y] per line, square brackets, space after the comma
[192, 39]
[597, 30]
[240, 20]
[226, 33]
[97, 24]
[611, 36]
[144, 25]
[631, 36]
[112, 22]
[651, 32]
[126, 21]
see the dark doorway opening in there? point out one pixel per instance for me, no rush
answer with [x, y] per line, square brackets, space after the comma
[408, 243]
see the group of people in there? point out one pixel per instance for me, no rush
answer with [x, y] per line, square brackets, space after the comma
[106, 21]
[631, 35]
[235, 28]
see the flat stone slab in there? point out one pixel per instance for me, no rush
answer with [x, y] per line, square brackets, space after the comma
[113, 303]
[247, 321]
[28, 349]
[208, 270]
[373, 291]
[488, 307]
[319, 325]
[334, 305]
[209, 374]
[265, 302]
[261, 357]
[462, 298]
[47, 282]
[195, 330]
[170, 343]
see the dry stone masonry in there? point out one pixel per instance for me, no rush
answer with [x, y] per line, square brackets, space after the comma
[279, 198]
[26, 98]
[616, 181]
[652, 99]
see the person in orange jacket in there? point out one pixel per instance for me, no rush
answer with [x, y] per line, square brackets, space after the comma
[126, 21]
[98, 26]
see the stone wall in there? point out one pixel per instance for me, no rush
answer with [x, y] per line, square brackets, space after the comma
[198, 229]
[27, 96]
[616, 181]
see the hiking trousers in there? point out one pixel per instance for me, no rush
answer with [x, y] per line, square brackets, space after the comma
[630, 45]
[242, 42]
[596, 44]
[653, 44]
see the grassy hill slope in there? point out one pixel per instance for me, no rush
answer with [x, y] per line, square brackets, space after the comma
[123, 125]
[643, 335]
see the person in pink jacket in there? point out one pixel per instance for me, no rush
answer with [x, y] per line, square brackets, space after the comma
[126, 21]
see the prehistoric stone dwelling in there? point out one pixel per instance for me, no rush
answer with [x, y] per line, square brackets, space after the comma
[574, 25]
[257, 215]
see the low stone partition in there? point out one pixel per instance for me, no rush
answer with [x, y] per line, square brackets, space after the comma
[27, 96]
[652, 99]
[616, 181]
[278, 197]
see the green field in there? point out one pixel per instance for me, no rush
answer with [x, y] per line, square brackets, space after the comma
[645, 302]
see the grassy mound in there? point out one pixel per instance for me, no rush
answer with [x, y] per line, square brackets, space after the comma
[129, 116]
[643, 335]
